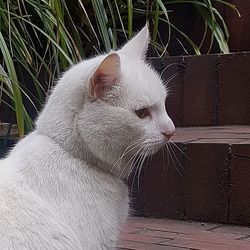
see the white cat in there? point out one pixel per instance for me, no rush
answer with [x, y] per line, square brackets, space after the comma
[61, 187]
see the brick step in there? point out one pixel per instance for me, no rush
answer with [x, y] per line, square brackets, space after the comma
[205, 177]
[207, 90]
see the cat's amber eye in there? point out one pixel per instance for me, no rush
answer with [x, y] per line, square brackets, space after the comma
[142, 113]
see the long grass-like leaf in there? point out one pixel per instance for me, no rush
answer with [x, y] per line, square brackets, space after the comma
[167, 18]
[102, 21]
[130, 18]
[15, 89]
[114, 25]
[156, 22]
[194, 46]
[47, 36]
[217, 31]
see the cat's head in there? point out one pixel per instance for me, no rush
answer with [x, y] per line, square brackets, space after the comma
[125, 113]
[115, 102]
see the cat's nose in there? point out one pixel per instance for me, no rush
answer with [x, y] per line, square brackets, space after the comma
[168, 134]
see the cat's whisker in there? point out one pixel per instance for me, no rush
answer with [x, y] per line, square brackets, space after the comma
[141, 166]
[170, 154]
[177, 147]
[165, 149]
[172, 77]
[149, 158]
[134, 162]
[132, 169]
[130, 147]
[137, 164]
[135, 144]
[184, 170]
[163, 159]
[176, 158]
[144, 148]
[173, 64]
[131, 159]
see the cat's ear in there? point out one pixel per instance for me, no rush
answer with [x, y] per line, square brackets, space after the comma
[137, 47]
[106, 75]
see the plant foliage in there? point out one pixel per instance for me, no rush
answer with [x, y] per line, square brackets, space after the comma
[44, 37]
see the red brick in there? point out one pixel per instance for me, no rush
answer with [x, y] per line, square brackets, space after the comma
[163, 185]
[171, 226]
[130, 229]
[234, 89]
[141, 246]
[240, 184]
[189, 243]
[242, 149]
[229, 229]
[218, 141]
[141, 238]
[207, 182]
[144, 220]
[159, 234]
[199, 91]
[214, 238]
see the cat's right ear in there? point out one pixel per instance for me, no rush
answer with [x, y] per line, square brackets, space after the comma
[137, 47]
[105, 76]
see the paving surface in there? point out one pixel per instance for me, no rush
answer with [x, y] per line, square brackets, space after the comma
[159, 234]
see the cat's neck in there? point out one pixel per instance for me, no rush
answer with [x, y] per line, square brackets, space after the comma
[66, 135]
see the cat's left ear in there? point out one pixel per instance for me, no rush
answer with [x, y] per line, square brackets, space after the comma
[137, 47]
[105, 76]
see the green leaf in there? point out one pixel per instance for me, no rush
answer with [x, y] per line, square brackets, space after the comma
[101, 17]
[17, 97]
[130, 18]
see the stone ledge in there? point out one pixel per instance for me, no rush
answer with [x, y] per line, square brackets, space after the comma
[219, 134]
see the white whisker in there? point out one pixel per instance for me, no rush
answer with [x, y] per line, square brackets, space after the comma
[132, 163]
[176, 158]
[170, 151]
[141, 166]
[178, 148]
[135, 144]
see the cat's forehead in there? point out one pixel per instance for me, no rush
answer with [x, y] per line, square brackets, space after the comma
[142, 85]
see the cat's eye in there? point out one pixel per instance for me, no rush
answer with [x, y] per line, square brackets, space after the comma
[142, 113]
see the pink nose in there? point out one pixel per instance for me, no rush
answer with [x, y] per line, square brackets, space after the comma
[168, 134]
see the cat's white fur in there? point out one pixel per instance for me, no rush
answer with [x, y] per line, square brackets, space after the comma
[61, 186]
